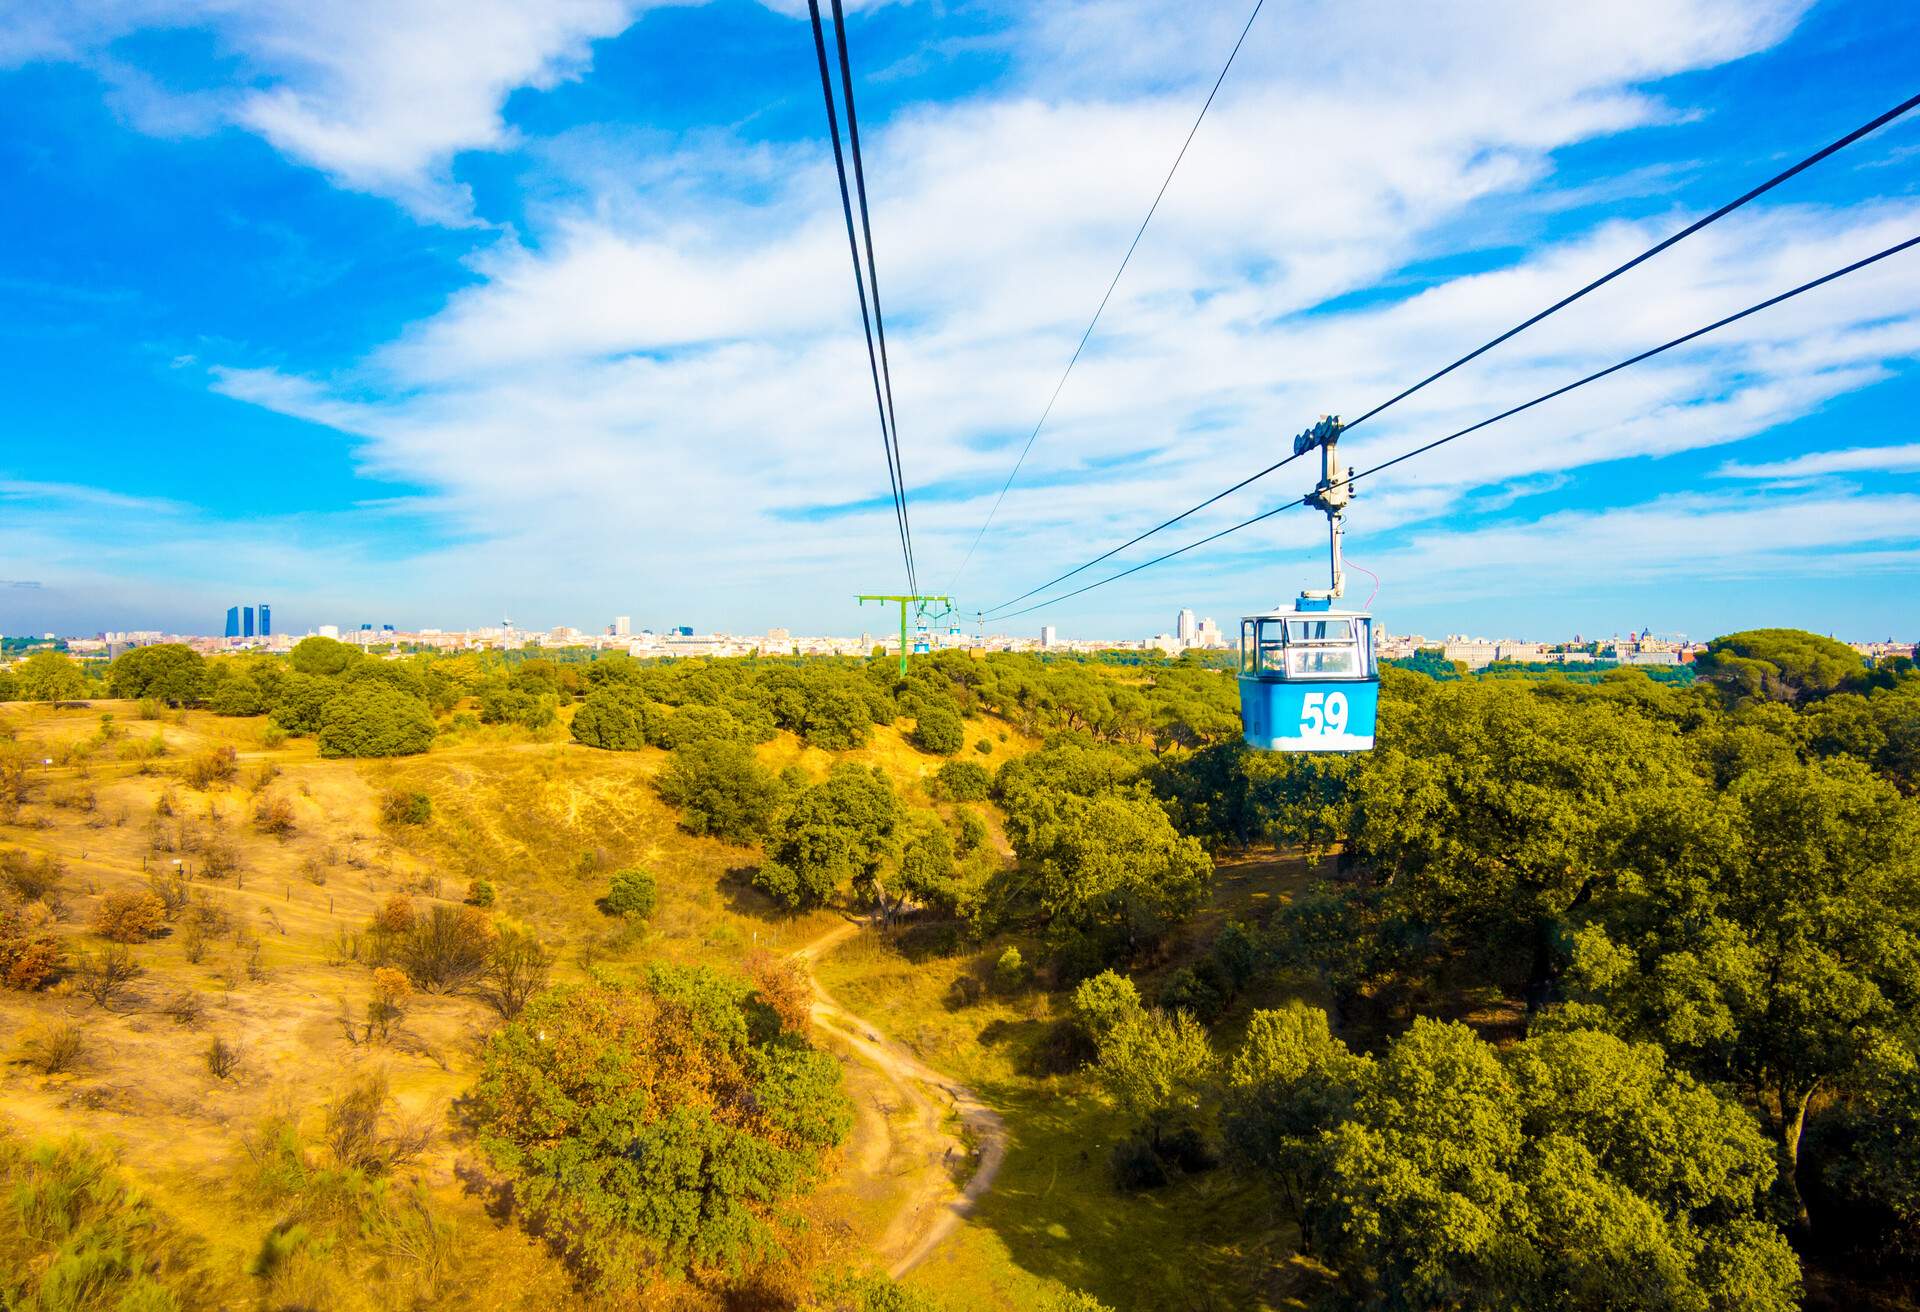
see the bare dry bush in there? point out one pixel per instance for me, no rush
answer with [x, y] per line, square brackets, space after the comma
[186, 1008]
[517, 968]
[366, 1132]
[171, 889]
[273, 815]
[222, 1058]
[54, 1048]
[32, 879]
[211, 768]
[104, 977]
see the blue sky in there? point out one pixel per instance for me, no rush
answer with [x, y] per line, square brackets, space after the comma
[423, 314]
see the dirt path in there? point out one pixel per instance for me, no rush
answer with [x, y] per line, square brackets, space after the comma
[935, 1205]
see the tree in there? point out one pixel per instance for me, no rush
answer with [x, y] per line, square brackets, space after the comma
[962, 781]
[693, 724]
[652, 1129]
[322, 656]
[1778, 665]
[926, 872]
[837, 832]
[1579, 1172]
[1114, 861]
[169, 672]
[373, 719]
[1156, 1067]
[937, 729]
[300, 704]
[632, 893]
[1291, 1080]
[1768, 950]
[721, 789]
[614, 717]
[1492, 812]
[49, 676]
[504, 702]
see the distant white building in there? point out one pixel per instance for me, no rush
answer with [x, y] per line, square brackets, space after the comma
[623, 626]
[329, 630]
[1183, 627]
[1049, 635]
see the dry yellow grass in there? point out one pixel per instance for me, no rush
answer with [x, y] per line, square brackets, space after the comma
[544, 822]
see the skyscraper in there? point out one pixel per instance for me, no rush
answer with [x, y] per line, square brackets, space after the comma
[1183, 627]
[233, 622]
[622, 626]
[266, 621]
[246, 621]
[1048, 635]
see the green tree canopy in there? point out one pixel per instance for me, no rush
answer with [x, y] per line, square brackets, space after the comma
[171, 672]
[838, 832]
[1576, 1171]
[721, 789]
[49, 676]
[324, 656]
[659, 1128]
[1779, 665]
[1114, 862]
[614, 717]
[375, 719]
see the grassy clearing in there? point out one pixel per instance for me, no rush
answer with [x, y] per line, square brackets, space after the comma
[1053, 1218]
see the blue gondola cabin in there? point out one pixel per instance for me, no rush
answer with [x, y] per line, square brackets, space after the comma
[1308, 679]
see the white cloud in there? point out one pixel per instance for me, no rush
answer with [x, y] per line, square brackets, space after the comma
[378, 94]
[1902, 459]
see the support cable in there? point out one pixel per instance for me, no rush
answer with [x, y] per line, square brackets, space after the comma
[860, 286]
[1829, 149]
[1351, 479]
[1101, 308]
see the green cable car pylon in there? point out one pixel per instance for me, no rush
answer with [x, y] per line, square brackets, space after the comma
[915, 600]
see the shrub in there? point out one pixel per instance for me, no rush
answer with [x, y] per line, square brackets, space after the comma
[937, 729]
[104, 977]
[781, 983]
[662, 1084]
[631, 893]
[222, 1058]
[221, 765]
[479, 893]
[395, 915]
[1103, 1001]
[1010, 971]
[1195, 991]
[55, 1048]
[129, 916]
[185, 1008]
[404, 807]
[272, 736]
[722, 790]
[983, 747]
[373, 718]
[517, 969]
[30, 955]
[31, 879]
[273, 815]
[1135, 1165]
[614, 718]
[363, 1131]
[962, 781]
[445, 949]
